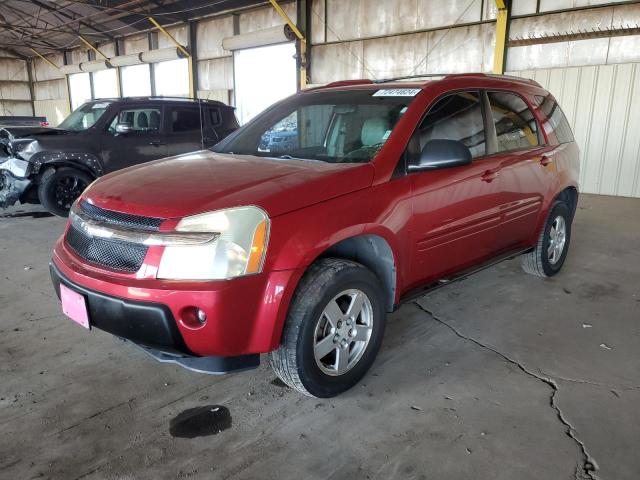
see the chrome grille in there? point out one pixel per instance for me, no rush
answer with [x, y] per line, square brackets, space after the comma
[113, 254]
[151, 224]
[122, 256]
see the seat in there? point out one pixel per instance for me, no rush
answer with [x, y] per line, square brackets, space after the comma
[154, 120]
[143, 121]
[374, 131]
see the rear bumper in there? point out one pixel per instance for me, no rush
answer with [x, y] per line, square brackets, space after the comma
[152, 327]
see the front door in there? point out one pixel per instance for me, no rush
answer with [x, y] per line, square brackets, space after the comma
[456, 211]
[145, 142]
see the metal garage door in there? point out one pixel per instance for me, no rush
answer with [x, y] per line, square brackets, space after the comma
[602, 104]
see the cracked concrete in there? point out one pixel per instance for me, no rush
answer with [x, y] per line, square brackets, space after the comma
[587, 466]
[503, 381]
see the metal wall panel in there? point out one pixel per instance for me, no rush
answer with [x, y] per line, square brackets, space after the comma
[54, 110]
[209, 37]
[44, 71]
[50, 90]
[9, 108]
[180, 33]
[265, 17]
[602, 104]
[14, 91]
[216, 74]
[13, 70]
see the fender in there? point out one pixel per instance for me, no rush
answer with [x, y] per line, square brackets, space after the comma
[568, 169]
[85, 161]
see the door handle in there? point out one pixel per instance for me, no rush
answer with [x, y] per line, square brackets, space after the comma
[157, 144]
[544, 161]
[490, 175]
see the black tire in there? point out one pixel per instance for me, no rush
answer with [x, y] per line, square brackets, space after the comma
[59, 188]
[538, 261]
[294, 361]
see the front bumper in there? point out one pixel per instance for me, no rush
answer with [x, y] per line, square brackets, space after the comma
[244, 315]
[150, 326]
[11, 188]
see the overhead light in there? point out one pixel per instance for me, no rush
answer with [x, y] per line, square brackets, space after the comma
[69, 69]
[259, 38]
[125, 60]
[94, 66]
[161, 55]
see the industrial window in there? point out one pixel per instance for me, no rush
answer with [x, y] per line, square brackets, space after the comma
[554, 120]
[105, 83]
[516, 126]
[456, 117]
[80, 88]
[136, 81]
[172, 78]
[140, 119]
[185, 120]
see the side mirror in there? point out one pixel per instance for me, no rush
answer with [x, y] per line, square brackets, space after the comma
[441, 154]
[123, 128]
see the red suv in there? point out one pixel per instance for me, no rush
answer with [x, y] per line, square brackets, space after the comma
[300, 247]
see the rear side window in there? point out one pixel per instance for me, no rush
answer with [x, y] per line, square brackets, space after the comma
[516, 127]
[456, 117]
[554, 120]
[185, 120]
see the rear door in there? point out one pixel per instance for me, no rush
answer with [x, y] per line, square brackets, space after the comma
[184, 129]
[456, 211]
[524, 177]
[144, 143]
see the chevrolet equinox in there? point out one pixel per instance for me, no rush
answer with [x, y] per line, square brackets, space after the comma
[381, 192]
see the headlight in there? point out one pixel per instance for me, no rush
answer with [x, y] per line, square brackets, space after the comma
[239, 250]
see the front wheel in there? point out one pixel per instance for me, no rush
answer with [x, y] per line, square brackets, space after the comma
[334, 329]
[58, 189]
[548, 256]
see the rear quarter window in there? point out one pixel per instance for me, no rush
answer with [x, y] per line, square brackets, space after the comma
[553, 119]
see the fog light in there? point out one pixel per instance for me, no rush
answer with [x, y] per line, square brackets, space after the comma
[202, 317]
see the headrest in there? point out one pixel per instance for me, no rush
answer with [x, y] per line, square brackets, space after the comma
[373, 131]
[143, 121]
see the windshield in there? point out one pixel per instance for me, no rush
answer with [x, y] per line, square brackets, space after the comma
[346, 126]
[84, 117]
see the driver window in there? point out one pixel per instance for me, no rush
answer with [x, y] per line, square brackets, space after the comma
[141, 120]
[456, 117]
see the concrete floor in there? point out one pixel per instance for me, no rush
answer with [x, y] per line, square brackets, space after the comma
[500, 376]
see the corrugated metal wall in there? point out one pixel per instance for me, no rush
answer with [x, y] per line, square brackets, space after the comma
[602, 103]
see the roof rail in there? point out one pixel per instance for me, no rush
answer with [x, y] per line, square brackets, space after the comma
[409, 77]
[453, 75]
[345, 83]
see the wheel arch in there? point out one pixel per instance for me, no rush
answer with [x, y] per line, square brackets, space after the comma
[374, 252]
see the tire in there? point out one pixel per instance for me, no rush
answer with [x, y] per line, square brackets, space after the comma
[58, 189]
[328, 284]
[544, 260]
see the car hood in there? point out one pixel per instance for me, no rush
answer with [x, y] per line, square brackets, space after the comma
[205, 181]
[31, 132]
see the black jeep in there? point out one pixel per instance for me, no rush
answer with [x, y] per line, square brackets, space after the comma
[53, 166]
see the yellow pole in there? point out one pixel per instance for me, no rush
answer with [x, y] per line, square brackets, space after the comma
[303, 41]
[88, 44]
[45, 59]
[501, 36]
[184, 51]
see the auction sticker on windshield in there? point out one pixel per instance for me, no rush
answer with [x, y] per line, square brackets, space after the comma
[397, 92]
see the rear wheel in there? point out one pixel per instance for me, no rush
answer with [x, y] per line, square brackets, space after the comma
[58, 189]
[334, 329]
[547, 258]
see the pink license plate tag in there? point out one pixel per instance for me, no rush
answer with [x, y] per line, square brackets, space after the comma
[74, 306]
